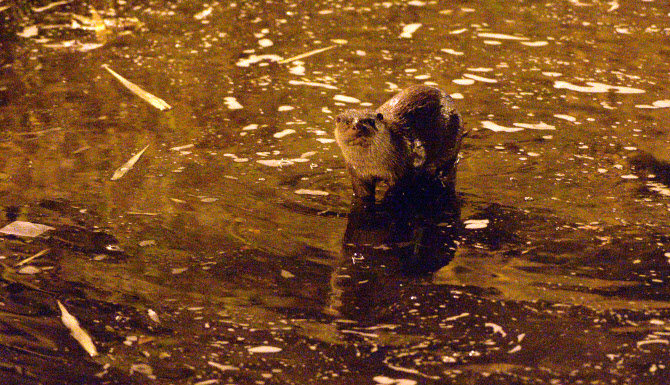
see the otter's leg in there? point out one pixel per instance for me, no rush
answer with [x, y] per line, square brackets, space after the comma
[364, 190]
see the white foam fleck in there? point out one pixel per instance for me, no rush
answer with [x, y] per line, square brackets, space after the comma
[232, 103]
[250, 127]
[383, 380]
[311, 192]
[311, 84]
[595, 87]
[253, 59]
[566, 117]
[265, 42]
[456, 95]
[535, 126]
[297, 69]
[458, 31]
[274, 163]
[535, 43]
[264, 349]
[480, 78]
[629, 176]
[464, 82]
[656, 104]
[552, 74]
[500, 36]
[480, 69]
[492, 42]
[496, 328]
[416, 3]
[325, 140]
[409, 29]
[476, 223]
[498, 128]
[283, 133]
[285, 108]
[661, 189]
[346, 99]
[451, 51]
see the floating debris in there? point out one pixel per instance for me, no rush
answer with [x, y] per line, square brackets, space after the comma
[383, 380]
[253, 59]
[283, 133]
[25, 229]
[306, 54]
[346, 99]
[311, 192]
[41, 253]
[535, 43]
[500, 36]
[476, 223]
[409, 29]
[180, 148]
[480, 78]
[656, 104]
[275, 163]
[536, 126]
[149, 98]
[77, 332]
[232, 103]
[222, 367]
[451, 51]
[594, 87]
[203, 14]
[153, 316]
[496, 328]
[287, 274]
[264, 349]
[51, 5]
[29, 270]
[121, 171]
[498, 128]
[464, 82]
[566, 117]
[265, 43]
[29, 31]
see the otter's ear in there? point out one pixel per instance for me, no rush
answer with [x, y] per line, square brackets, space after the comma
[379, 116]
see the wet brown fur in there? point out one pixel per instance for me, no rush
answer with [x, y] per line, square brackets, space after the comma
[416, 132]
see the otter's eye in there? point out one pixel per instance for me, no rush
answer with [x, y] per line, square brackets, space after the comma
[338, 119]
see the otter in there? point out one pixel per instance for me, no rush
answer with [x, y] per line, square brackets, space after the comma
[415, 135]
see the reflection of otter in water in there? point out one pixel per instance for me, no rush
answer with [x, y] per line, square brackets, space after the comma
[415, 134]
[382, 248]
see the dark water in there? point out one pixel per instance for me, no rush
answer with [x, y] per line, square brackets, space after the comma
[227, 254]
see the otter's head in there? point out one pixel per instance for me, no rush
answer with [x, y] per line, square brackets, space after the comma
[358, 128]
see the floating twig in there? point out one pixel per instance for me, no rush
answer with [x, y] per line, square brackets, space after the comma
[41, 253]
[306, 54]
[151, 99]
[121, 171]
[77, 332]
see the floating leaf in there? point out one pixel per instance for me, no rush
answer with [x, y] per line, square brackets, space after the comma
[121, 171]
[151, 99]
[77, 332]
[25, 229]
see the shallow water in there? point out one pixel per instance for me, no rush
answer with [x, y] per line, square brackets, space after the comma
[227, 253]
